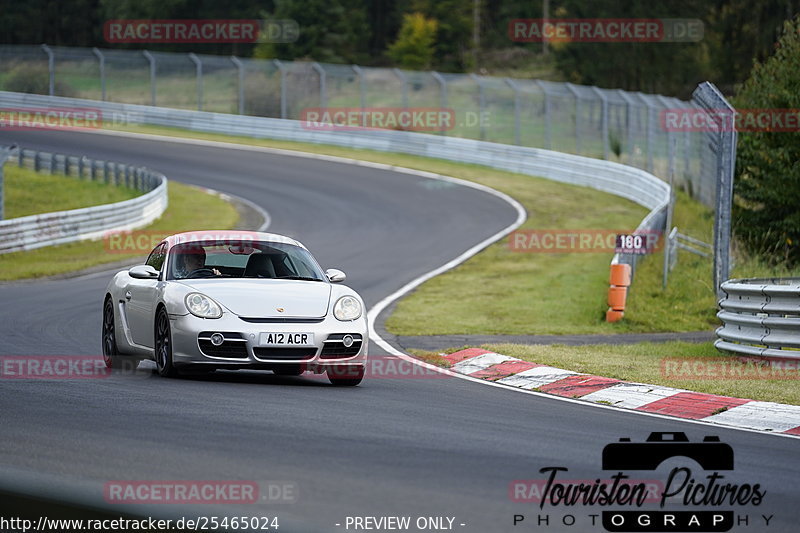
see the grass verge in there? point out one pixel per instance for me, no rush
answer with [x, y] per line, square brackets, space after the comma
[31, 193]
[189, 209]
[645, 363]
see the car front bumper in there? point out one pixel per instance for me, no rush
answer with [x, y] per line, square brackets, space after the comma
[242, 346]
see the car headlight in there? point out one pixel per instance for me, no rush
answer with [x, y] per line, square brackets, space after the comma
[202, 306]
[347, 308]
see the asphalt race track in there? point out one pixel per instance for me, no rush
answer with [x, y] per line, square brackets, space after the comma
[391, 447]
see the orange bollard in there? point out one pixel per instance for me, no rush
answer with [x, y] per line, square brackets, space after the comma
[619, 281]
[620, 275]
[616, 298]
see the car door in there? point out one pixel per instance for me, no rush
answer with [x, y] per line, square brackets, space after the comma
[140, 296]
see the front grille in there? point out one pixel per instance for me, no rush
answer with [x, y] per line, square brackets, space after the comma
[233, 347]
[334, 348]
[285, 354]
[279, 320]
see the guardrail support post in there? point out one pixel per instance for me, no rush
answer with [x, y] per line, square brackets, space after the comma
[240, 70]
[198, 67]
[152, 61]
[101, 63]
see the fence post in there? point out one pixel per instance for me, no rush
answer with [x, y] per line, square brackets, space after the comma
[548, 133]
[723, 144]
[442, 93]
[668, 222]
[152, 61]
[101, 59]
[578, 110]
[517, 121]
[51, 69]
[604, 122]
[282, 70]
[628, 124]
[362, 97]
[404, 82]
[649, 134]
[481, 105]
[323, 87]
[671, 140]
[198, 66]
[240, 69]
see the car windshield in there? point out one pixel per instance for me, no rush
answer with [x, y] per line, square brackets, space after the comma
[242, 259]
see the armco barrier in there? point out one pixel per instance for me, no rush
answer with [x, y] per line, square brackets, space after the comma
[621, 180]
[760, 317]
[35, 231]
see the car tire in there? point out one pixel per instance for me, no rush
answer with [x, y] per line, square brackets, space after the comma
[345, 375]
[288, 370]
[111, 354]
[162, 350]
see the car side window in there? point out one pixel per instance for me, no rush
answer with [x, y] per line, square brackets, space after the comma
[156, 257]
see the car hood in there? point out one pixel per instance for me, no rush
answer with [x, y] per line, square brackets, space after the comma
[263, 297]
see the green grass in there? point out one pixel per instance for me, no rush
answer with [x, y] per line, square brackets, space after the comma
[189, 209]
[29, 193]
[643, 363]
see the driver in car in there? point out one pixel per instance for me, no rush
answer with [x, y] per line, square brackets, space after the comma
[192, 260]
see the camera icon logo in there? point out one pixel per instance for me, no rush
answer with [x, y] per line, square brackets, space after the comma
[710, 454]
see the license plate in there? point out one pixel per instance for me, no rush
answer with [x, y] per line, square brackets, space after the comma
[286, 339]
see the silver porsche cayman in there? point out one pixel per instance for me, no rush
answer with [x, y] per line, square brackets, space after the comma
[213, 300]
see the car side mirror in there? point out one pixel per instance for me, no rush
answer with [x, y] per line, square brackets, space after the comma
[143, 272]
[335, 275]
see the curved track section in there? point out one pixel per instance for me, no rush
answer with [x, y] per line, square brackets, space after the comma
[398, 447]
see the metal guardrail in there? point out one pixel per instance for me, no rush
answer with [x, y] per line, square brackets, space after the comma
[35, 231]
[621, 180]
[760, 317]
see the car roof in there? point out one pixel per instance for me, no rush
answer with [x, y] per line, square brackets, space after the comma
[217, 235]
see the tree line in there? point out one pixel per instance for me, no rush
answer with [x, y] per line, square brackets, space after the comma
[447, 35]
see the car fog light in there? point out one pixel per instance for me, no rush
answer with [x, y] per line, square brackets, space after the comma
[217, 339]
[347, 340]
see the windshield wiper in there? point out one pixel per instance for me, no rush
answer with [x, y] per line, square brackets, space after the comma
[303, 278]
